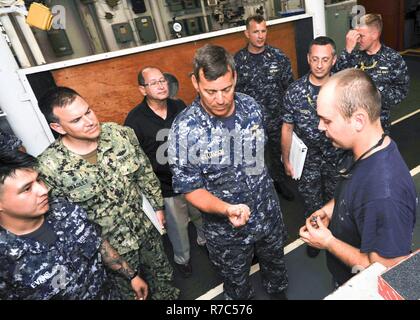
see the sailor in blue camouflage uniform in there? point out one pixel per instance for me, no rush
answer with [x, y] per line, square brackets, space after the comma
[264, 73]
[384, 65]
[216, 154]
[9, 140]
[319, 175]
[69, 269]
[48, 247]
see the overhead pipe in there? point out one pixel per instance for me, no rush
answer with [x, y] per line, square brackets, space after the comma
[130, 18]
[94, 43]
[30, 39]
[94, 15]
[15, 41]
[268, 10]
[203, 10]
[154, 8]
[317, 9]
[106, 25]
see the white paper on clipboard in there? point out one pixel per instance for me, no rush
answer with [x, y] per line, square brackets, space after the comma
[151, 214]
[297, 156]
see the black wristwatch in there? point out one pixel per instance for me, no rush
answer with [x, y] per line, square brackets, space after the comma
[134, 275]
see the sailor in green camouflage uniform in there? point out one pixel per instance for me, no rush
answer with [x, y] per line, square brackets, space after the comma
[102, 168]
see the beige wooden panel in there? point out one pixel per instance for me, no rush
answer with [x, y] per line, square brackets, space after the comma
[110, 86]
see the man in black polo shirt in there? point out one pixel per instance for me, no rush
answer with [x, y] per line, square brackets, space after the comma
[151, 121]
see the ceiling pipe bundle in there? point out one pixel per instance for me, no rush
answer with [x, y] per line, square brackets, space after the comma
[15, 41]
[30, 39]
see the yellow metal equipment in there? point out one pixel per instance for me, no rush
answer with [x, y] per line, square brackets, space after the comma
[39, 16]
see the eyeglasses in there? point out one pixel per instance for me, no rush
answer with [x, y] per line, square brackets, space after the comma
[156, 83]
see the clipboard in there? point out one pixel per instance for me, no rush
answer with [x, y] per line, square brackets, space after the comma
[298, 151]
[151, 214]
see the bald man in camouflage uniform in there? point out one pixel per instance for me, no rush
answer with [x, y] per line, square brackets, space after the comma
[264, 73]
[108, 181]
[216, 154]
[384, 65]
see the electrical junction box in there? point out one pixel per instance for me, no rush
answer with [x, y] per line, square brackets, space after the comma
[192, 26]
[190, 4]
[123, 32]
[60, 43]
[146, 29]
[138, 6]
[175, 5]
[196, 25]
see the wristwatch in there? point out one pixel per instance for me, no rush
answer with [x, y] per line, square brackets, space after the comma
[134, 275]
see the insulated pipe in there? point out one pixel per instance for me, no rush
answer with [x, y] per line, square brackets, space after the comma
[14, 39]
[94, 43]
[203, 10]
[154, 8]
[30, 39]
[94, 15]
[23, 114]
[317, 9]
[269, 10]
[106, 26]
[130, 18]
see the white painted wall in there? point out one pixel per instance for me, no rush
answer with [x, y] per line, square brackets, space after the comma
[18, 102]
[317, 9]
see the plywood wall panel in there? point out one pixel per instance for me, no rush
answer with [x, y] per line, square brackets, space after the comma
[110, 86]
